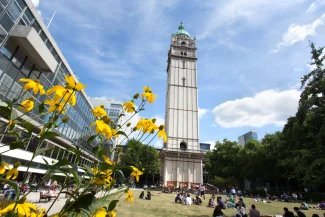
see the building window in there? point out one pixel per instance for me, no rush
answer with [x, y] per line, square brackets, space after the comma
[183, 43]
[183, 79]
[183, 145]
[183, 63]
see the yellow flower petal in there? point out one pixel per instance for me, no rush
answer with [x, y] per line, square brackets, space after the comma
[27, 105]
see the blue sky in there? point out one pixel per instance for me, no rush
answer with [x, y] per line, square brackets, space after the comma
[251, 54]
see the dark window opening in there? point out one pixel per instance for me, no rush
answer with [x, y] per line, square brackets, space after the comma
[183, 145]
[183, 43]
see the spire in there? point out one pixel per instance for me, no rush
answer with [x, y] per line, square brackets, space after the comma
[181, 30]
[181, 27]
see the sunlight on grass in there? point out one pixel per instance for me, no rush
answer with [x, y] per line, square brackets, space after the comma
[162, 205]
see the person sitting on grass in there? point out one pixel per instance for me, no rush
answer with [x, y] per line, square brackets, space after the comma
[178, 198]
[230, 202]
[240, 201]
[141, 195]
[253, 212]
[241, 211]
[221, 203]
[321, 205]
[148, 197]
[197, 200]
[287, 213]
[304, 206]
[188, 200]
[299, 213]
[211, 202]
[217, 211]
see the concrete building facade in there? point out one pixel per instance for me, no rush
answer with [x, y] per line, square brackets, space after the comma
[181, 156]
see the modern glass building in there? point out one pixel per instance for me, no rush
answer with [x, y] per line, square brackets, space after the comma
[27, 49]
[205, 146]
[243, 139]
[112, 107]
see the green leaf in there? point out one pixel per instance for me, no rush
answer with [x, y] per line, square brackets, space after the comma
[95, 150]
[122, 133]
[112, 205]
[5, 112]
[17, 144]
[84, 202]
[28, 126]
[91, 138]
[49, 135]
[41, 107]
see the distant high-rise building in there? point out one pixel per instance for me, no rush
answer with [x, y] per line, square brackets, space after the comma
[243, 139]
[205, 146]
[112, 107]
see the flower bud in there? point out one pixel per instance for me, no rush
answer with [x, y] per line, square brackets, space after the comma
[136, 96]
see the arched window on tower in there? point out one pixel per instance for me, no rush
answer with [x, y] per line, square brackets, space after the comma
[183, 145]
[185, 54]
[183, 43]
[183, 79]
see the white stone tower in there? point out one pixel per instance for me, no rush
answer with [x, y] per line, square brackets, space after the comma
[181, 156]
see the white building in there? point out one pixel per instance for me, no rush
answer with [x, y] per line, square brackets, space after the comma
[181, 155]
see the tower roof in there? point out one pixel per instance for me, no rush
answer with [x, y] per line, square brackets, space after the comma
[182, 31]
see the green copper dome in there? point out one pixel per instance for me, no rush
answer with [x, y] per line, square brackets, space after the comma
[182, 31]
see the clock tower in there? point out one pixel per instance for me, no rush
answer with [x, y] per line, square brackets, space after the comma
[181, 155]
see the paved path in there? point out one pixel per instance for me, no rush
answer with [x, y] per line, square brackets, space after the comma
[34, 198]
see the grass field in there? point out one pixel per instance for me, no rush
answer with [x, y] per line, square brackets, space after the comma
[162, 205]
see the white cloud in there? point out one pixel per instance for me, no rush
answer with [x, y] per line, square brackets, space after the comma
[202, 112]
[313, 6]
[229, 12]
[35, 3]
[296, 33]
[266, 107]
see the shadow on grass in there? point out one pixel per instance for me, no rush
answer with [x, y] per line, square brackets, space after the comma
[199, 216]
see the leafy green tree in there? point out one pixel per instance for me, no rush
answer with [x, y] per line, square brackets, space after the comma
[142, 156]
[305, 132]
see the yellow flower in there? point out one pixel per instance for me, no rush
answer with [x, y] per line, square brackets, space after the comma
[12, 174]
[33, 85]
[27, 105]
[54, 106]
[150, 97]
[147, 89]
[102, 212]
[129, 196]
[107, 160]
[162, 135]
[73, 84]
[23, 209]
[3, 167]
[129, 106]
[146, 125]
[136, 173]
[102, 178]
[62, 95]
[103, 128]
[99, 111]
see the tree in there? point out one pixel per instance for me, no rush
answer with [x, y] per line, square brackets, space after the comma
[304, 133]
[144, 157]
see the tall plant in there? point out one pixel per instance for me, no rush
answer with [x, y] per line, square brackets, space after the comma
[100, 177]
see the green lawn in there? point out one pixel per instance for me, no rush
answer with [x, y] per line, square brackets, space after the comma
[162, 205]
